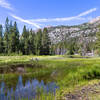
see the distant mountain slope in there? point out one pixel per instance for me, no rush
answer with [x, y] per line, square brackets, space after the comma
[86, 30]
[96, 21]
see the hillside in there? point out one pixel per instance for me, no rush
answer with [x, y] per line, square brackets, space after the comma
[79, 37]
[87, 30]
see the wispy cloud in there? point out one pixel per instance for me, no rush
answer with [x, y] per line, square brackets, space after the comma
[34, 22]
[78, 17]
[6, 4]
[57, 19]
[25, 21]
[87, 12]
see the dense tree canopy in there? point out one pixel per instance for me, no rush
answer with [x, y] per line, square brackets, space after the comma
[28, 42]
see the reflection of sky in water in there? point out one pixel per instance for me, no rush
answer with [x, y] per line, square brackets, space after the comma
[30, 90]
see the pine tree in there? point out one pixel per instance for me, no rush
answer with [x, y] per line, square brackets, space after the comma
[26, 45]
[1, 39]
[70, 47]
[31, 42]
[10, 37]
[6, 35]
[13, 38]
[45, 42]
[25, 41]
[16, 32]
[38, 42]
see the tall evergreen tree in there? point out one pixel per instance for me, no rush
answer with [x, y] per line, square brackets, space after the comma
[25, 41]
[38, 42]
[10, 50]
[70, 47]
[14, 39]
[31, 42]
[45, 42]
[16, 31]
[6, 35]
[1, 39]
[1, 31]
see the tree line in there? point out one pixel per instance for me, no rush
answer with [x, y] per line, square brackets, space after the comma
[29, 42]
[39, 42]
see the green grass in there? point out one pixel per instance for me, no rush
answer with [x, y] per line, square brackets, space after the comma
[69, 73]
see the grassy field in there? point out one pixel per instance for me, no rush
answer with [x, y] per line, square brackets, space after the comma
[69, 73]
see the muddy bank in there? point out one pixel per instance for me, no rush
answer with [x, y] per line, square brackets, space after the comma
[17, 68]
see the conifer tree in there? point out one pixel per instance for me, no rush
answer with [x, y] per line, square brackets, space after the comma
[16, 33]
[45, 42]
[14, 39]
[10, 38]
[25, 41]
[1, 39]
[6, 35]
[38, 42]
[31, 42]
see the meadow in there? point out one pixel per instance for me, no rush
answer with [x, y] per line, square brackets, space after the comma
[69, 73]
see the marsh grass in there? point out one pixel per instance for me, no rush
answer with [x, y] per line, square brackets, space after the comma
[67, 72]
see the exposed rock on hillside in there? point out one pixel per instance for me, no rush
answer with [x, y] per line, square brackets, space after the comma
[60, 33]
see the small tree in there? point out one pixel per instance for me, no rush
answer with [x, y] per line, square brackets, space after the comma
[97, 46]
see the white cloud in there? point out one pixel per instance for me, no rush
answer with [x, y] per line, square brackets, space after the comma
[57, 19]
[25, 21]
[78, 17]
[5, 4]
[87, 12]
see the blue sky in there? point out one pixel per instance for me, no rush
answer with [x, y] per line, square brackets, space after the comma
[40, 13]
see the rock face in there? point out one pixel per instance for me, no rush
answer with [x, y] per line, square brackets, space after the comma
[87, 30]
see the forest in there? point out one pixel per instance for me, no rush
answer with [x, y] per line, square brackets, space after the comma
[28, 42]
